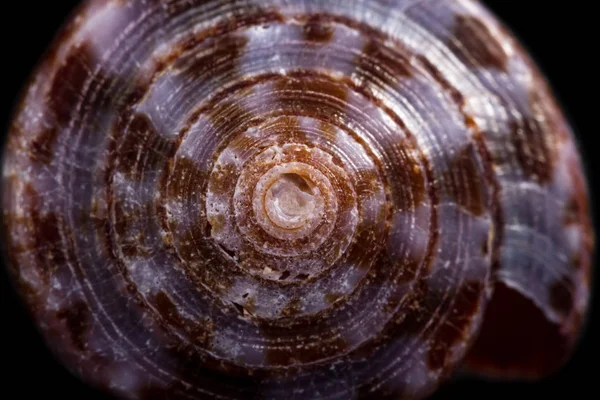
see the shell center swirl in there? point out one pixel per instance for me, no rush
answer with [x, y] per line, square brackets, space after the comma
[287, 201]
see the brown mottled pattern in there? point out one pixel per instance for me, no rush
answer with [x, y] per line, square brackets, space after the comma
[532, 150]
[473, 34]
[225, 52]
[77, 320]
[367, 263]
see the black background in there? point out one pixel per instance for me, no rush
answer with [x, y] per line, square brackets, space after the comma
[563, 38]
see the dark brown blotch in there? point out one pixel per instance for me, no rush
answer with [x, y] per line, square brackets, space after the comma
[477, 40]
[465, 183]
[318, 29]
[531, 149]
[381, 63]
[77, 319]
[456, 326]
[226, 50]
[48, 237]
[134, 144]
[68, 83]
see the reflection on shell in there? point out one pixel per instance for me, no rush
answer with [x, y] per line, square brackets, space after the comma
[295, 199]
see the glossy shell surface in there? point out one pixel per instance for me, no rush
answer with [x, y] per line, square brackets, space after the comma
[294, 199]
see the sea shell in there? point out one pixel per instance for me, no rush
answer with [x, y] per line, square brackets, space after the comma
[294, 199]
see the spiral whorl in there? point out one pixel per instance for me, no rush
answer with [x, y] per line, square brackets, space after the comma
[290, 199]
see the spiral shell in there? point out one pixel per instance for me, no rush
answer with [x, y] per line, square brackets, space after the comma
[294, 199]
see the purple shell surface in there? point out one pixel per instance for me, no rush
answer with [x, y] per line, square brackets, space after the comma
[295, 199]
